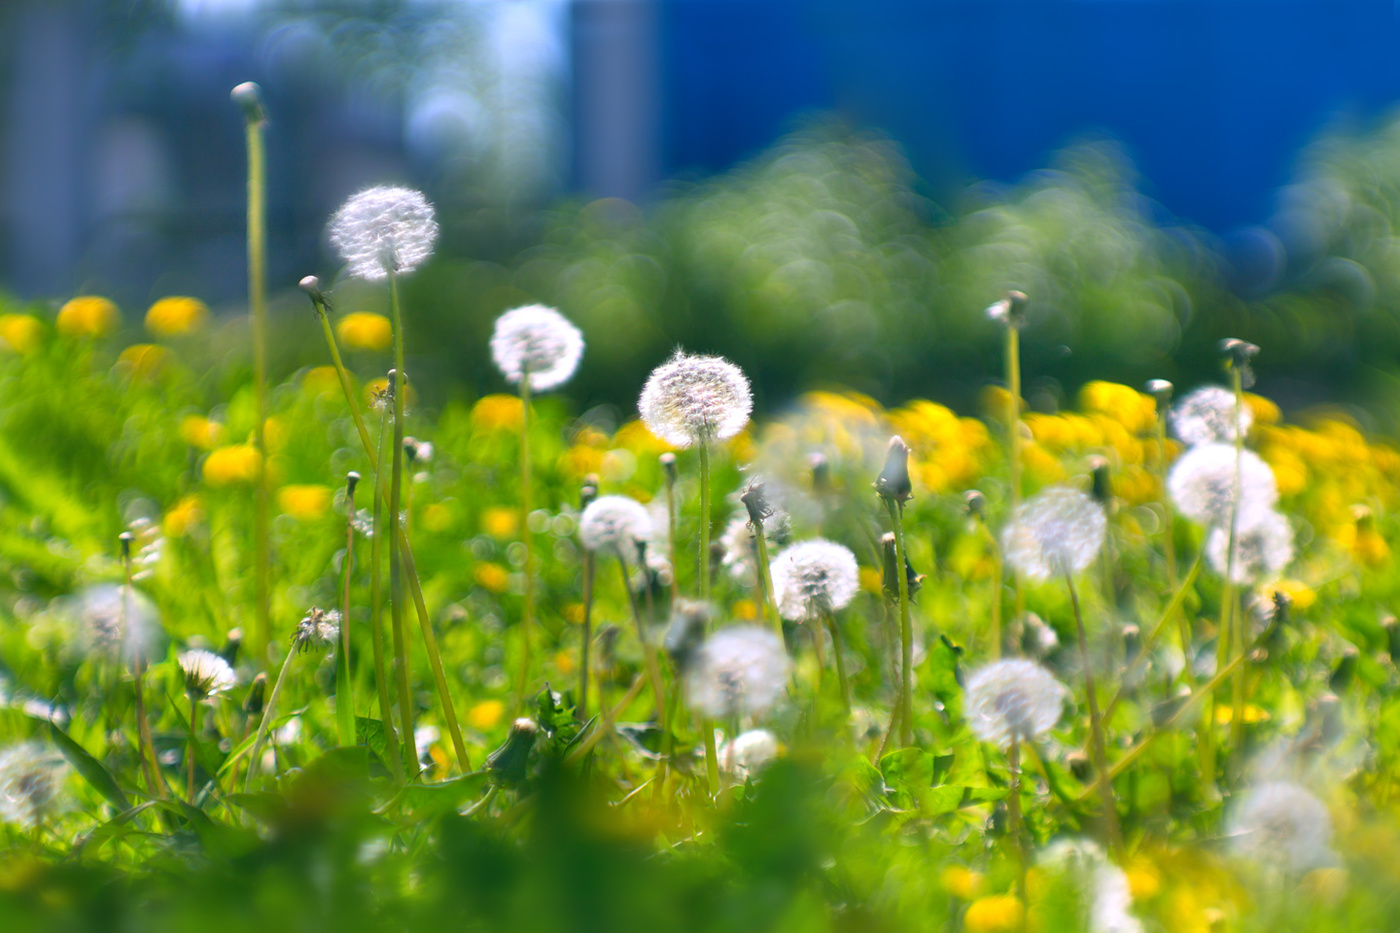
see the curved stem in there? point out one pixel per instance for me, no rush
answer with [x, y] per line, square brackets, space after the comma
[257, 304]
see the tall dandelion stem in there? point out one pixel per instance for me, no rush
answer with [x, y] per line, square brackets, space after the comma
[707, 727]
[410, 750]
[527, 618]
[1095, 723]
[1237, 625]
[1013, 816]
[145, 747]
[194, 741]
[648, 650]
[344, 691]
[836, 649]
[765, 577]
[398, 387]
[906, 630]
[1013, 442]
[587, 638]
[269, 714]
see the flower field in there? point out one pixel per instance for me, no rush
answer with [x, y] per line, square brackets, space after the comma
[291, 649]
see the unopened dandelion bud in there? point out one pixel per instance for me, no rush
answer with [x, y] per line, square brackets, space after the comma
[1392, 634]
[1010, 311]
[1161, 390]
[1132, 641]
[1102, 489]
[1079, 766]
[586, 494]
[311, 285]
[689, 621]
[914, 581]
[257, 696]
[352, 479]
[1239, 355]
[668, 466]
[233, 643]
[893, 481]
[510, 762]
[975, 504]
[248, 97]
[821, 473]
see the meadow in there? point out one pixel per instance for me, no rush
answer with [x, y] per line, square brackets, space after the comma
[289, 649]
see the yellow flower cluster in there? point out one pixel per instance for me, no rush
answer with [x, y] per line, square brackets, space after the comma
[21, 333]
[88, 316]
[236, 463]
[362, 330]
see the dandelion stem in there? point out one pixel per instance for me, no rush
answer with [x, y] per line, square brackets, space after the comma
[145, 747]
[648, 650]
[706, 726]
[527, 618]
[409, 760]
[1168, 532]
[1013, 814]
[671, 520]
[269, 711]
[398, 386]
[1237, 626]
[906, 631]
[997, 571]
[830, 620]
[1095, 723]
[257, 305]
[765, 579]
[587, 638]
[194, 732]
[1144, 652]
[344, 690]
[1013, 439]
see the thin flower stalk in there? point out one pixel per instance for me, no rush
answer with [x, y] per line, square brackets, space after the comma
[344, 690]
[707, 729]
[146, 748]
[658, 691]
[527, 616]
[269, 713]
[194, 733]
[410, 745]
[1238, 624]
[668, 465]
[836, 649]
[398, 388]
[1173, 606]
[1013, 441]
[765, 578]
[1097, 744]
[906, 630]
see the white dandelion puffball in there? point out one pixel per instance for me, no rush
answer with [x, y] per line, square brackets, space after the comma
[1060, 530]
[1281, 824]
[812, 578]
[695, 400]
[615, 523]
[1013, 700]
[537, 342]
[1107, 894]
[383, 230]
[117, 623]
[206, 674]
[1263, 547]
[1202, 484]
[31, 784]
[319, 628]
[1207, 416]
[748, 753]
[738, 671]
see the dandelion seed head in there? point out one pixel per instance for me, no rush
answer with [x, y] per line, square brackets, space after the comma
[737, 672]
[383, 230]
[538, 342]
[31, 784]
[1202, 484]
[746, 755]
[319, 628]
[1282, 824]
[1263, 547]
[1060, 530]
[814, 577]
[206, 674]
[1207, 416]
[615, 523]
[106, 631]
[738, 549]
[695, 400]
[1013, 700]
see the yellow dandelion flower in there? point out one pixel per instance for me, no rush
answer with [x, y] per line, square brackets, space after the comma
[496, 413]
[1264, 410]
[994, 401]
[486, 715]
[745, 610]
[578, 461]
[364, 331]
[491, 577]
[1144, 880]
[564, 662]
[500, 523]
[962, 882]
[1224, 715]
[143, 360]
[1134, 410]
[88, 316]
[21, 332]
[1041, 466]
[176, 316]
[182, 517]
[573, 613]
[997, 913]
[1300, 595]
[236, 463]
[634, 437]
[321, 380]
[872, 580]
[275, 433]
[305, 502]
[198, 431]
[437, 517]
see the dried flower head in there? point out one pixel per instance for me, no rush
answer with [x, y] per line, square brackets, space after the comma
[1263, 547]
[695, 400]
[615, 523]
[1058, 531]
[1281, 824]
[383, 230]
[1207, 416]
[738, 671]
[31, 784]
[1013, 700]
[319, 629]
[1202, 484]
[812, 578]
[537, 342]
[206, 674]
[1010, 311]
[117, 623]
[746, 755]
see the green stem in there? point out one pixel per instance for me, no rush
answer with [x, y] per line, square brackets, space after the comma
[257, 303]
[1168, 532]
[707, 727]
[194, 732]
[648, 650]
[528, 613]
[145, 747]
[269, 712]
[409, 760]
[1115, 841]
[765, 580]
[840, 660]
[344, 690]
[1013, 441]
[906, 630]
[1013, 814]
[1173, 605]
[671, 519]
[1237, 626]
[398, 388]
[587, 635]
[997, 571]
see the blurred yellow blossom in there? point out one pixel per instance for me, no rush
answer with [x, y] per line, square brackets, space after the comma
[962, 882]
[573, 613]
[236, 463]
[305, 502]
[1264, 410]
[275, 433]
[496, 413]
[500, 522]
[143, 360]
[491, 577]
[564, 662]
[997, 913]
[578, 461]
[634, 436]
[437, 517]
[321, 380]
[88, 316]
[21, 333]
[486, 715]
[176, 316]
[745, 610]
[1300, 595]
[362, 330]
[1134, 410]
[201, 432]
[1144, 880]
[183, 516]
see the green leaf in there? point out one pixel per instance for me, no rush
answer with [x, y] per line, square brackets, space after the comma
[421, 802]
[90, 768]
[370, 734]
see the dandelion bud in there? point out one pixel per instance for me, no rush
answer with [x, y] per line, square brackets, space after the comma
[587, 493]
[311, 285]
[692, 400]
[417, 451]
[206, 674]
[1282, 824]
[821, 473]
[976, 505]
[614, 524]
[1132, 641]
[813, 578]
[248, 97]
[893, 482]
[1038, 639]
[914, 581]
[233, 643]
[257, 696]
[509, 762]
[384, 230]
[668, 466]
[538, 344]
[689, 621]
[1058, 531]
[739, 671]
[1239, 355]
[1013, 701]
[319, 628]
[1080, 766]
[1392, 634]
[1102, 489]
[1161, 390]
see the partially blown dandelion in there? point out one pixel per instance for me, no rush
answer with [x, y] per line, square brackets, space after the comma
[1202, 485]
[692, 400]
[1059, 531]
[739, 671]
[614, 524]
[318, 629]
[537, 342]
[813, 578]
[384, 230]
[1207, 416]
[1281, 824]
[1013, 701]
[1263, 547]
[31, 784]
